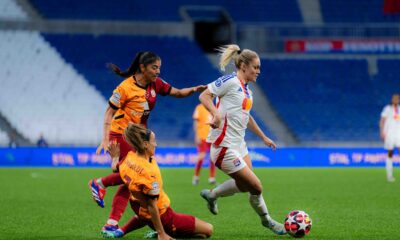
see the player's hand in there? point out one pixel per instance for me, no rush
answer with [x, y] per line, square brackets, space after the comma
[267, 141]
[103, 146]
[216, 121]
[164, 236]
[199, 88]
[114, 149]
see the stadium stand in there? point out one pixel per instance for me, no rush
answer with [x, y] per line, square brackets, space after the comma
[4, 140]
[324, 100]
[46, 95]
[355, 11]
[261, 11]
[11, 11]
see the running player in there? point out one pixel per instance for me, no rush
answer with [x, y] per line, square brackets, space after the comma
[231, 118]
[201, 119]
[389, 126]
[141, 174]
[131, 101]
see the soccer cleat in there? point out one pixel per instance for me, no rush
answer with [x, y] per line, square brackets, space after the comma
[98, 192]
[118, 233]
[150, 234]
[391, 179]
[195, 180]
[212, 181]
[274, 226]
[211, 202]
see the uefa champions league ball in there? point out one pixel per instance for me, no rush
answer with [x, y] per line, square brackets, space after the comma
[298, 223]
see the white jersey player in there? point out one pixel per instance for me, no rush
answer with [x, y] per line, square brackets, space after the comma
[231, 117]
[390, 132]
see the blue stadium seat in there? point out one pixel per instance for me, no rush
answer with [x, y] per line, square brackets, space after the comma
[352, 11]
[324, 100]
[255, 10]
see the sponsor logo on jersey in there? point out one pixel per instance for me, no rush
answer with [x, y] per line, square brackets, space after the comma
[140, 114]
[240, 89]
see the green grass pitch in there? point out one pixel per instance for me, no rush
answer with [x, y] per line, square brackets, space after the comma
[344, 203]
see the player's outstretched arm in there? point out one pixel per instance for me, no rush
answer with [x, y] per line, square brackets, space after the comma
[253, 126]
[185, 92]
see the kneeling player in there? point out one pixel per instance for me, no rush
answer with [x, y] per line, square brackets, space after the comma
[151, 204]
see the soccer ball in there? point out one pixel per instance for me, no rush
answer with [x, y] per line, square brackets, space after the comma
[298, 223]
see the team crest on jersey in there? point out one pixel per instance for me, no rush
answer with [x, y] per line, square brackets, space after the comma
[153, 93]
[237, 162]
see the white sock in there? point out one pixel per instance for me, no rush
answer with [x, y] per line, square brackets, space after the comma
[389, 168]
[258, 204]
[112, 222]
[98, 181]
[227, 188]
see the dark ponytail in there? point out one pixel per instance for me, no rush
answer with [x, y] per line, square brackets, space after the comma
[144, 58]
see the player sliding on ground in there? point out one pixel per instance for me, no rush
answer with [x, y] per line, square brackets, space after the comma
[231, 117]
[151, 204]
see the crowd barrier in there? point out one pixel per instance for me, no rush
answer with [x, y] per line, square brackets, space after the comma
[186, 157]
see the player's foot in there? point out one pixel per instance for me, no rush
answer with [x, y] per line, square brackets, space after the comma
[274, 226]
[150, 234]
[212, 181]
[118, 233]
[391, 179]
[195, 180]
[211, 202]
[110, 228]
[98, 192]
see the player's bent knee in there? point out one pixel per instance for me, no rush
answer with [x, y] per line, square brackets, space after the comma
[256, 188]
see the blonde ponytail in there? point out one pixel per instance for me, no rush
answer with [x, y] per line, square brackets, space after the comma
[227, 52]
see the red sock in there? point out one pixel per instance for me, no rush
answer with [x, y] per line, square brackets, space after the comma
[112, 180]
[133, 224]
[119, 203]
[198, 167]
[212, 170]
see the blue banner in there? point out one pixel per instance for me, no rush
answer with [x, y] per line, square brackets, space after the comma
[186, 157]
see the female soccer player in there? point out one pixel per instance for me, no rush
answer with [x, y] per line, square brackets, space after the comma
[151, 204]
[389, 126]
[201, 118]
[131, 101]
[231, 117]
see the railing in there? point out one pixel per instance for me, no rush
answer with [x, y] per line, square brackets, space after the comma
[271, 37]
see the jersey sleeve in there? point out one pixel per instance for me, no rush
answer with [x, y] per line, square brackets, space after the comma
[118, 97]
[385, 112]
[221, 86]
[162, 87]
[150, 186]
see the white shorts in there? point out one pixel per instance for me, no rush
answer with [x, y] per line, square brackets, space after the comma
[229, 160]
[392, 141]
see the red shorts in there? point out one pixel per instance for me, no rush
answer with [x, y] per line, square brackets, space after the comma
[176, 225]
[123, 145]
[203, 146]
